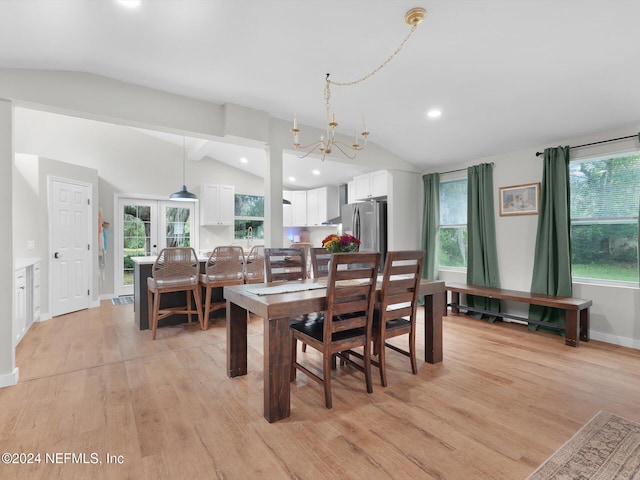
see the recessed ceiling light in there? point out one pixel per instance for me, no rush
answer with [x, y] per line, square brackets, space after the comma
[435, 113]
[130, 3]
[292, 179]
[244, 160]
[316, 172]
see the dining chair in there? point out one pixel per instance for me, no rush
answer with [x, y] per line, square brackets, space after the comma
[176, 269]
[320, 259]
[307, 247]
[285, 264]
[396, 312]
[254, 265]
[225, 266]
[346, 323]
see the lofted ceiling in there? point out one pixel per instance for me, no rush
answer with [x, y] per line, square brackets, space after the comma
[506, 74]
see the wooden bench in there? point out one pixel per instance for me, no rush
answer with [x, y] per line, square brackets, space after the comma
[577, 309]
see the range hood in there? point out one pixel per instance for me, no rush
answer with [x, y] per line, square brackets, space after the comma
[343, 199]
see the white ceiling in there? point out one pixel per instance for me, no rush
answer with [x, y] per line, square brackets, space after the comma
[507, 74]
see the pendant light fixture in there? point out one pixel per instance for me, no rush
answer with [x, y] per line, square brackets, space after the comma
[184, 195]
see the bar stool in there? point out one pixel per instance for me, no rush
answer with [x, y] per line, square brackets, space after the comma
[225, 266]
[175, 270]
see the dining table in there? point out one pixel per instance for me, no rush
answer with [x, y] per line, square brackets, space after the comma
[277, 303]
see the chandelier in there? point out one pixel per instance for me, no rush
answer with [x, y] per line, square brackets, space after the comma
[327, 143]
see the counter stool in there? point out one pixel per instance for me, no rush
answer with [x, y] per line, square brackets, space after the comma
[225, 266]
[175, 270]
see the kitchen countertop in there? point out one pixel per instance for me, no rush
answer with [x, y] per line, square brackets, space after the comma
[25, 262]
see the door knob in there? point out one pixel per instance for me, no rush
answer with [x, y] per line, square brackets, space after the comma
[56, 255]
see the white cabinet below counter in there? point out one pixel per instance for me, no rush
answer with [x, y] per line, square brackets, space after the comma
[27, 297]
[217, 204]
[370, 185]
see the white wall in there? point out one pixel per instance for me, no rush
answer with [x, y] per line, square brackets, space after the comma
[8, 372]
[126, 162]
[615, 315]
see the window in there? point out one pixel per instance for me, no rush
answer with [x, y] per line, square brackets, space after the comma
[249, 216]
[604, 217]
[453, 224]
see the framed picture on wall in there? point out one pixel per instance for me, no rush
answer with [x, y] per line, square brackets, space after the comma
[520, 199]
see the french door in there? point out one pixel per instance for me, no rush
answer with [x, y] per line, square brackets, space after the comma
[147, 226]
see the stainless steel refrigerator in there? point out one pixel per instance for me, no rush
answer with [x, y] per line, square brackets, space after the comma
[368, 222]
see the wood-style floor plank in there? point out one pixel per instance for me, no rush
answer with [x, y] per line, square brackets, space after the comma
[503, 400]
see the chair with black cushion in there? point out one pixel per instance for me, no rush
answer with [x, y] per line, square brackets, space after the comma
[225, 266]
[175, 270]
[346, 323]
[254, 265]
[285, 264]
[396, 312]
[320, 259]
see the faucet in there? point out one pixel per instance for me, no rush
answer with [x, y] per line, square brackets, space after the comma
[250, 235]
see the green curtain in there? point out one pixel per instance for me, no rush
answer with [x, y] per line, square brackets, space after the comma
[482, 263]
[431, 224]
[552, 260]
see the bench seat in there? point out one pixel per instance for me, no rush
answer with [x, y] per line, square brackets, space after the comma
[577, 309]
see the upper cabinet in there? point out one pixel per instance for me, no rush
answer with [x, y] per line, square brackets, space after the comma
[217, 204]
[310, 207]
[299, 210]
[322, 205]
[370, 185]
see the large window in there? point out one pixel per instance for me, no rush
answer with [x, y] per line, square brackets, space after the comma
[249, 217]
[604, 218]
[453, 224]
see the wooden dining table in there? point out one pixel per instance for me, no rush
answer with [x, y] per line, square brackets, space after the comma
[276, 310]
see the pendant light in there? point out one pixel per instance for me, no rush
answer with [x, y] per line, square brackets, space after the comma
[184, 195]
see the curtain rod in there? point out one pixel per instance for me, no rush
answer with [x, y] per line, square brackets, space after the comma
[459, 170]
[598, 143]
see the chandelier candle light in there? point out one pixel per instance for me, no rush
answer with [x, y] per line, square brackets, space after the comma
[327, 141]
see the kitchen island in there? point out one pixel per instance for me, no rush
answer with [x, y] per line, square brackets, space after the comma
[141, 271]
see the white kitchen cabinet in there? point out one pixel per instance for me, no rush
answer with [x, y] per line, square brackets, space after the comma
[27, 297]
[322, 204]
[35, 291]
[287, 210]
[370, 185]
[351, 191]
[299, 210]
[217, 204]
[22, 304]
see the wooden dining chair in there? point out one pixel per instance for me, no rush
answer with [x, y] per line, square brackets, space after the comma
[346, 323]
[320, 259]
[285, 264]
[254, 265]
[176, 269]
[396, 312]
[225, 266]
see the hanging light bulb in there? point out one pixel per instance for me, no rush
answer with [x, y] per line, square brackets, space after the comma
[184, 195]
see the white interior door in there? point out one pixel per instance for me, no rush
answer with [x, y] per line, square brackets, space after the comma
[70, 245]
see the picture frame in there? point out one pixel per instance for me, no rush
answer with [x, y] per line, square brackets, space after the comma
[520, 199]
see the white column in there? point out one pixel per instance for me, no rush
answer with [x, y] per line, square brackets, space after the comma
[273, 197]
[8, 371]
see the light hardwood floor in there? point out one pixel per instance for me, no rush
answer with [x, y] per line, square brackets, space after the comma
[503, 400]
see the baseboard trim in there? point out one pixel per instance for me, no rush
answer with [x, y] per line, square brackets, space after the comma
[615, 339]
[9, 379]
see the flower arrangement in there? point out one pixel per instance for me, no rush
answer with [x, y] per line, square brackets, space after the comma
[341, 243]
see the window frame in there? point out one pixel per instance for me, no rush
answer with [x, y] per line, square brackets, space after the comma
[600, 220]
[247, 217]
[451, 268]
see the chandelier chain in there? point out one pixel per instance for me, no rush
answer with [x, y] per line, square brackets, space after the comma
[379, 67]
